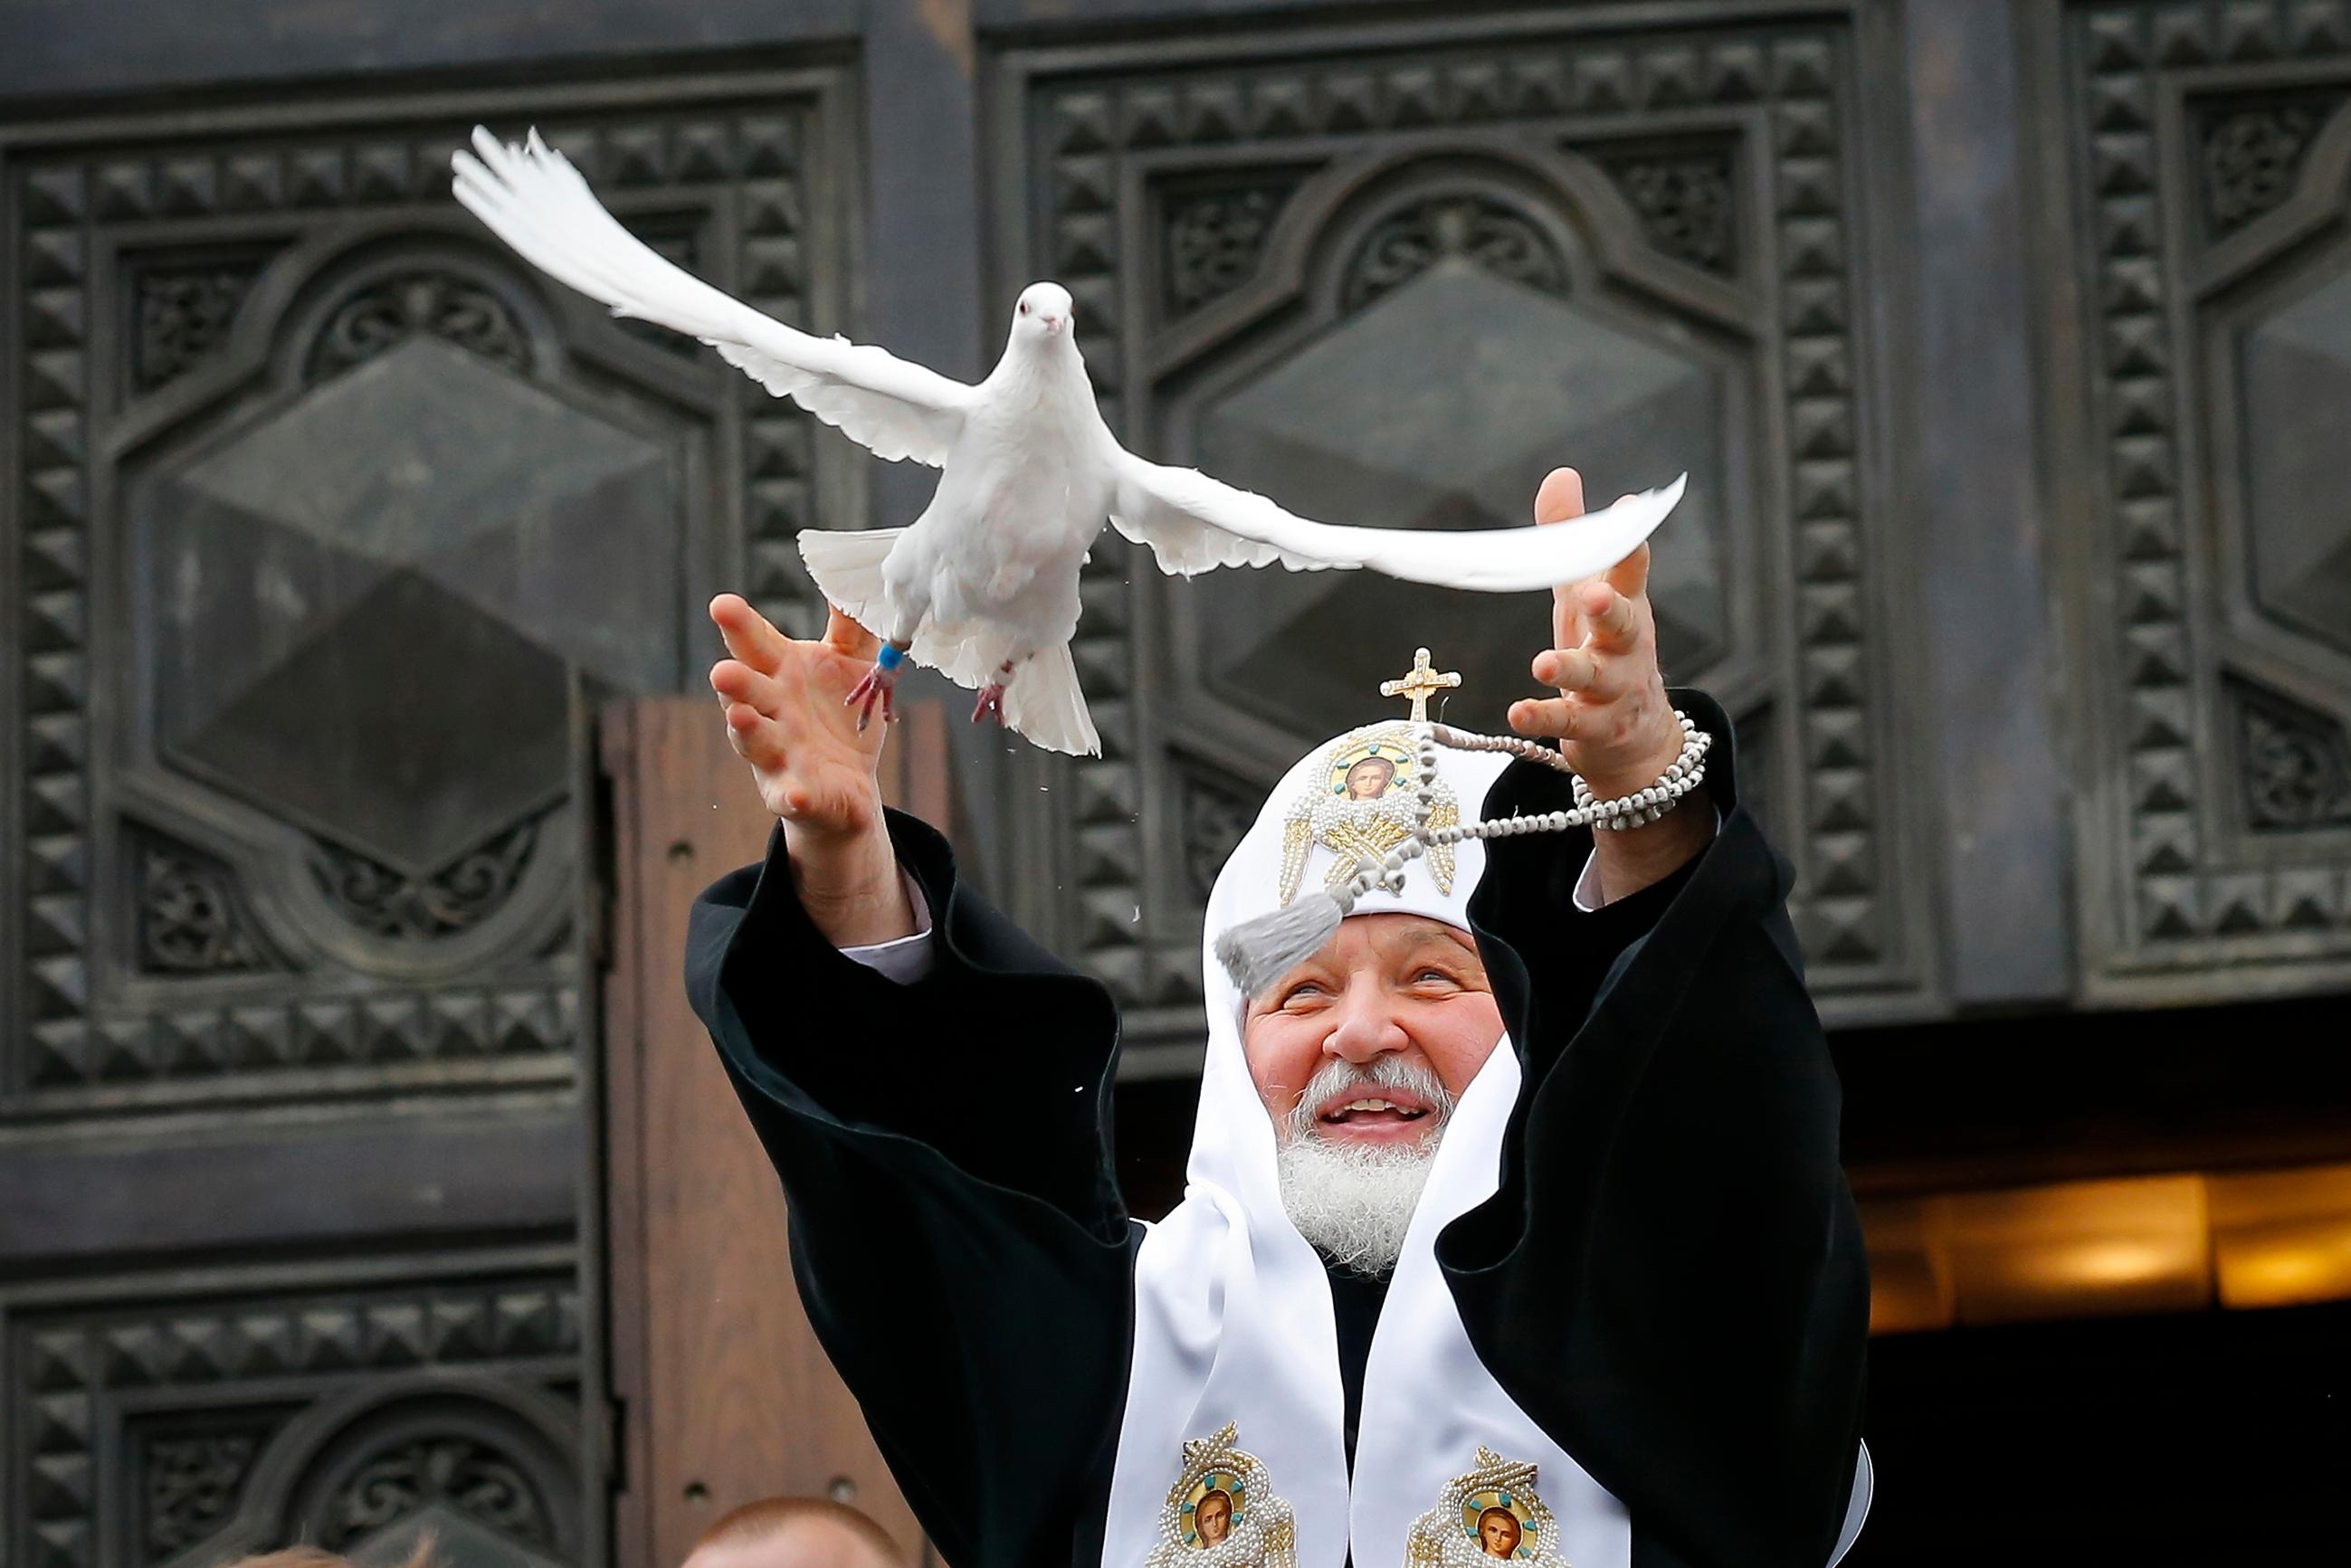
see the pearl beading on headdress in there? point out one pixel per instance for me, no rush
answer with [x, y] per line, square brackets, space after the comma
[1258, 952]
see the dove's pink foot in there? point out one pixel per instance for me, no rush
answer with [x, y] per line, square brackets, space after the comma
[880, 681]
[991, 697]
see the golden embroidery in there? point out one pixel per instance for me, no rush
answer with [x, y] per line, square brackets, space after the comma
[1364, 806]
[1491, 1515]
[1222, 1511]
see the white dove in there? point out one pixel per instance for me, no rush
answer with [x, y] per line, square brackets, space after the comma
[982, 586]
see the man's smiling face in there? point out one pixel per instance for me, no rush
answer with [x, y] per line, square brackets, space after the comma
[1360, 1054]
[1335, 1048]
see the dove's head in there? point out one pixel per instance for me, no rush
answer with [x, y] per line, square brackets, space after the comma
[1046, 313]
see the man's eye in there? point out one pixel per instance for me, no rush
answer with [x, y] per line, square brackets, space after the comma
[1434, 976]
[1305, 990]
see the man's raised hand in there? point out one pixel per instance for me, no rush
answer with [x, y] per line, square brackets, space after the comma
[787, 715]
[784, 716]
[1611, 717]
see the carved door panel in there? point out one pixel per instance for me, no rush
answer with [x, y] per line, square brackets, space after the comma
[2203, 376]
[1391, 276]
[323, 512]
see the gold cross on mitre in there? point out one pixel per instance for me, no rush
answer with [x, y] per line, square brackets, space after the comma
[1419, 683]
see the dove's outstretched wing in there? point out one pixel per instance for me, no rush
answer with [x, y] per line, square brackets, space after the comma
[537, 201]
[1194, 523]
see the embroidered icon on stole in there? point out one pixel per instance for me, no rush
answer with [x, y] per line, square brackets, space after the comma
[1488, 1515]
[1361, 806]
[1222, 1513]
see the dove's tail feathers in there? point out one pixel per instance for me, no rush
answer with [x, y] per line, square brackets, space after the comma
[1042, 698]
[847, 567]
[1043, 701]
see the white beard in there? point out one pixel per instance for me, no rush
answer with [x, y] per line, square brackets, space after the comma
[1353, 1202]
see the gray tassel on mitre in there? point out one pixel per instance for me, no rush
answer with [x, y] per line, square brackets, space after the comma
[1258, 953]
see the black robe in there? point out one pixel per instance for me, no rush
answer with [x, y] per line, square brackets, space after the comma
[1670, 1278]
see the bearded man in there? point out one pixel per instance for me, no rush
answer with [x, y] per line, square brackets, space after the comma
[1520, 1193]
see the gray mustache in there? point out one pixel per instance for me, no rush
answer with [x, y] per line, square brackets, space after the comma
[1381, 1072]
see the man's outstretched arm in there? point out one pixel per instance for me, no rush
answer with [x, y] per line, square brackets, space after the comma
[1671, 1273]
[944, 1143]
[943, 1150]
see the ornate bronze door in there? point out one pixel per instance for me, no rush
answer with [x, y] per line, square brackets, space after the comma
[326, 519]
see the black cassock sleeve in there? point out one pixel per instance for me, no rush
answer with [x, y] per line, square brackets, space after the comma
[957, 1234]
[1670, 1278]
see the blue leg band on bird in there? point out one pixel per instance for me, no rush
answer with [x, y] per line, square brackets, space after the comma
[891, 656]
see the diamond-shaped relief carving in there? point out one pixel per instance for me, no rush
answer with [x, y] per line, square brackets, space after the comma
[2162, 780]
[2240, 903]
[1814, 307]
[59, 1485]
[1839, 930]
[2159, 718]
[54, 196]
[479, 536]
[59, 987]
[1533, 375]
[2123, 163]
[58, 1423]
[2248, 32]
[1836, 739]
[2183, 36]
[2296, 368]
[2157, 655]
[2150, 529]
[304, 1034]
[2309, 899]
[255, 184]
[317, 177]
[2121, 104]
[2163, 842]
[62, 1544]
[52, 378]
[2128, 225]
[1832, 676]
[1108, 919]
[2170, 908]
[186, 187]
[2318, 27]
